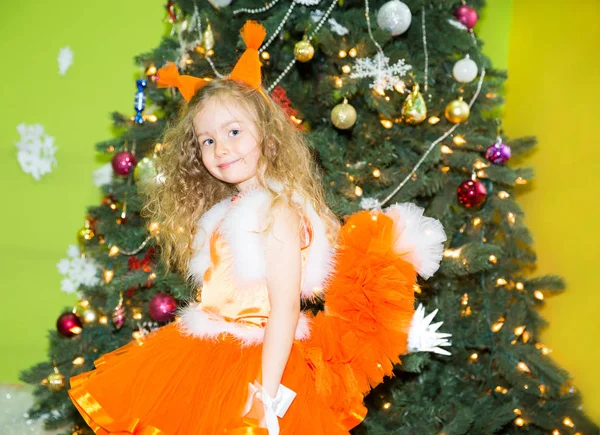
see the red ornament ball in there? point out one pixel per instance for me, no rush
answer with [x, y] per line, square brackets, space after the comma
[123, 162]
[162, 307]
[68, 325]
[471, 193]
[466, 15]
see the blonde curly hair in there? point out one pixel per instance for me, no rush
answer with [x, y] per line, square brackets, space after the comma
[189, 190]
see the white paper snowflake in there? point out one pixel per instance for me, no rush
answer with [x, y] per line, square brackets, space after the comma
[65, 59]
[385, 76]
[336, 27]
[36, 150]
[103, 175]
[77, 270]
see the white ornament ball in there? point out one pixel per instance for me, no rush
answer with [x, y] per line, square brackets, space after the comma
[465, 70]
[220, 3]
[395, 17]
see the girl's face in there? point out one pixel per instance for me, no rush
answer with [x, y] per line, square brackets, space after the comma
[229, 142]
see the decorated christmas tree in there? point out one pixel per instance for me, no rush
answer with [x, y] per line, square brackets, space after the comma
[399, 105]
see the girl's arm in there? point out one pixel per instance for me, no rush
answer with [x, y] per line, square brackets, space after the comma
[283, 275]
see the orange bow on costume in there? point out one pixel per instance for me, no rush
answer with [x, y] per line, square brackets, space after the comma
[247, 69]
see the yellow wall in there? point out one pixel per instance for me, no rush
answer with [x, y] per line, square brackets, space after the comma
[553, 93]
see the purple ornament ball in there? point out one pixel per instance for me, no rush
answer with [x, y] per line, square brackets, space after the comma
[466, 15]
[498, 153]
[162, 307]
[68, 325]
[471, 193]
[123, 162]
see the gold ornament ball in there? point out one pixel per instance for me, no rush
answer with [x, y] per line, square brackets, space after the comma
[89, 315]
[343, 115]
[304, 51]
[84, 235]
[457, 111]
[56, 381]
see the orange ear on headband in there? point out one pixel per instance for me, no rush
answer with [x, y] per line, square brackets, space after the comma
[247, 68]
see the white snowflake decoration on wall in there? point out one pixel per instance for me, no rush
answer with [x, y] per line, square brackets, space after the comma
[36, 150]
[384, 75]
[103, 175]
[65, 59]
[77, 271]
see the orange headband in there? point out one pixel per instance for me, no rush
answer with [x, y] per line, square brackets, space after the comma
[247, 68]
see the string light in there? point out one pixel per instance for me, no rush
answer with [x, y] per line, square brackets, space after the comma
[523, 367]
[555, 432]
[346, 69]
[459, 140]
[474, 356]
[445, 169]
[433, 120]
[387, 405]
[376, 173]
[542, 388]
[503, 195]
[265, 55]
[338, 82]
[500, 281]
[520, 180]
[114, 251]
[352, 52]
[500, 389]
[465, 299]
[400, 86]
[358, 191]
[386, 123]
[568, 422]
[519, 330]
[525, 336]
[417, 288]
[342, 54]
[103, 320]
[453, 253]
[498, 325]
[78, 361]
[519, 421]
[445, 149]
[511, 217]
[538, 295]
[492, 259]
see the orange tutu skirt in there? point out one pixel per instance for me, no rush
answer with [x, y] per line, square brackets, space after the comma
[176, 384]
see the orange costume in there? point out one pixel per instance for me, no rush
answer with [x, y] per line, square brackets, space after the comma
[192, 376]
[199, 374]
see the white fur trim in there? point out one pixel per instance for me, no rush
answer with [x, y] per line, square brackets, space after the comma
[207, 223]
[420, 238]
[194, 321]
[319, 262]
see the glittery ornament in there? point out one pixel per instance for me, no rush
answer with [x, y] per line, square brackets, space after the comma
[122, 162]
[68, 325]
[414, 109]
[395, 17]
[118, 314]
[471, 193]
[457, 111]
[145, 170]
[343, 115]
[139, 101]
[208, 38]
[84, 235]
[498, 153]
[161, 307]
[56, 380]
[465, 70]
[466, 15]
[303, 50]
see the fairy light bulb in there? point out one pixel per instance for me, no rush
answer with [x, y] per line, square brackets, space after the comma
[452, 253]
[400, 86]
[538, 295]
[465, 299]
[445, 169]
[525, 336]
[338, 82]
[103, 320]
[511, 217]
[474, 356]
[346, 69]
[445, 149]
[520, 180]
[568, 422]
[519, 285]
[379, 91]
[265, 55]
[433, 120]
[503, 195]
[479, 165]
[342, 54]
[358, 191]
[114, 251]
[519, 330]
[498, 325]
[387, 405]
[519, 421]
[352, 52]
[151, 70]
[500, 389]
[492, 259]
[500, 281]
[523, 367]
[78, 361]
[386, 123]
[542, 388]
[459, 140]
[376, 173]
[555, 432]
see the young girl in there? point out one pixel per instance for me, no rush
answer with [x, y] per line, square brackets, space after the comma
[242, 214]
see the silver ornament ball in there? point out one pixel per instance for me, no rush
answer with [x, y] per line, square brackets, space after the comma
[465, 70]
[395, 17]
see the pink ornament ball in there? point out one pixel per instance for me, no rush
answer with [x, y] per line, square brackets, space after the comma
[123, 162]
[466, 15]
[68, 325]
[162, 307]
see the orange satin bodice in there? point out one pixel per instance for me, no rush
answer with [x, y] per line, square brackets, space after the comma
[249, 305]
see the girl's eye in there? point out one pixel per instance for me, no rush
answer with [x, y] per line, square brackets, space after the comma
[234, 132]
[208, 142]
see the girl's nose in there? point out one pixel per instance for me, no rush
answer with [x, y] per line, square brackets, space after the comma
[221, 148]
